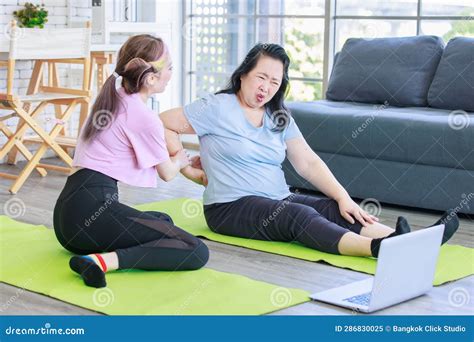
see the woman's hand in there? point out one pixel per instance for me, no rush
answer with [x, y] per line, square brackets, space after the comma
[170, 168]
[182, 159]
[196, 162]
[350, 210]
[195, 174]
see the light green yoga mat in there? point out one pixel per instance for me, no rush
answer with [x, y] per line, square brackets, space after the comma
[454, 262]
[31, 258]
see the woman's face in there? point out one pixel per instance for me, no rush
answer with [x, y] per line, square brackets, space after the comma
[260, 85]
[159, 81]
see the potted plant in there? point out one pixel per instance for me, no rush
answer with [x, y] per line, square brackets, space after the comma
[31, 16]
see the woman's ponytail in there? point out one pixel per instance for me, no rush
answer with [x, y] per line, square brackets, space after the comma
[104, 109]
[131, 69]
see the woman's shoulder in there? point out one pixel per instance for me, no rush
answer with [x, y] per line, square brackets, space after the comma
[136, 115]
[217, 98]
[208, 104]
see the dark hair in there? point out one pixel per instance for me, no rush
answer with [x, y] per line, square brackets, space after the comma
[279, 113]
[132, 65]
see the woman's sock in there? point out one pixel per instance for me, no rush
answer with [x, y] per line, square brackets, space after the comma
[375, 244]
[451, 224]
[449, 219]
[402, 227]
[91, 268]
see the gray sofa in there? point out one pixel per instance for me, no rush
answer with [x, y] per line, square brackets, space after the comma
[397, 124]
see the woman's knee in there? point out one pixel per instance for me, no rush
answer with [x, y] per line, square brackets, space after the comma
[160, 216]
[199, 256]
[300, 214]
[334, 215]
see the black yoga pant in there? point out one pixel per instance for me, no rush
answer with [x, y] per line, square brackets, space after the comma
[88, 218]
[314, 222]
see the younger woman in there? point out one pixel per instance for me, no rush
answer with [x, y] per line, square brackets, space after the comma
[124, 141]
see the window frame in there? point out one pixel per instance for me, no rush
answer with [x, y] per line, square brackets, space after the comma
[330, 26]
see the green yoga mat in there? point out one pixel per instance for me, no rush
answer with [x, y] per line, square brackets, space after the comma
[31, 258]
[188, 214]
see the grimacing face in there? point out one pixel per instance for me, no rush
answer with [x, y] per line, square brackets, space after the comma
[261, 83]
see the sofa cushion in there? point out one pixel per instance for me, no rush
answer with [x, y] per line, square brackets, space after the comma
[394, 70]
[411, 135]
[453, 83]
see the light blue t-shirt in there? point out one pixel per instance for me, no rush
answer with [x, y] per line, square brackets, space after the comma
[238, 158]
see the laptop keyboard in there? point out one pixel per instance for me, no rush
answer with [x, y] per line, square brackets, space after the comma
[362, 299]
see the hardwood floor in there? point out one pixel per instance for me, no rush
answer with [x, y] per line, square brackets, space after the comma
[39, 195]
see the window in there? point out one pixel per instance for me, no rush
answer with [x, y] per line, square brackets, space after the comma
[392, 18]
[225, 30]
[222, 32]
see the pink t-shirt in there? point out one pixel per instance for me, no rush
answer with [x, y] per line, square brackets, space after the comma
[129, 148]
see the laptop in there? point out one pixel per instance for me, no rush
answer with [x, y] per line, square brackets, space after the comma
[405, 270]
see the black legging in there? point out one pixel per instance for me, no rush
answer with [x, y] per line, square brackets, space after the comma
[314, 222]
[88, 218]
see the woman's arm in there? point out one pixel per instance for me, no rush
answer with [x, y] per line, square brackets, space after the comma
[170, 168]
[312, 168]
[174, 120]
[176, 123]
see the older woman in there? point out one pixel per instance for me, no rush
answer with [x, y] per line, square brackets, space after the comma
[245, 132]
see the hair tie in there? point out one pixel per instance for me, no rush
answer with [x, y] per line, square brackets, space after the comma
[118, 80]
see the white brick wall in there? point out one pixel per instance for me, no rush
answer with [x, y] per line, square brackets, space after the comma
[57, 17]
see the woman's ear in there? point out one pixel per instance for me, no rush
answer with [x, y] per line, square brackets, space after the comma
[152, 79]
